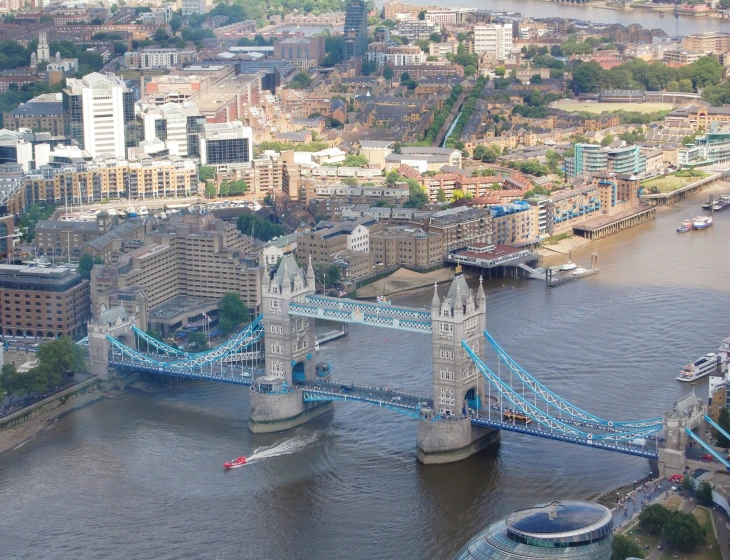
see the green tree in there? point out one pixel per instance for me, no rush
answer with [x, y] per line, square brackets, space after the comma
[704, 493]
[176, 23]
[536, 79]
[252, 224]
[422, 15]
[653, 518]
[350, 181]
[388, 73]
[624, 548]
[300, 81]
[33, 214]
[367, 67]
[500, 71]
[441, 195]
[8, 380]
[707, 71]
[587, 77]
[210, 191]
[232, 312]
[60, 356]
[683, 531]
[686, 483]
[206, 173]
[86, 263]
[197, 341]
[329, 273]
[607, 140]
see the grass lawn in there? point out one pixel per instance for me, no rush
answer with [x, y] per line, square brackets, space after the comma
[670, 182]
[611, 107]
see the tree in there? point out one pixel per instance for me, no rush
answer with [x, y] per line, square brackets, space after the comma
[586, 77]
[388, 73]
[607, 140]
[198, 341]
[500, 71]
[60, 356]
[330, 274]
[160, 35]
[368, 67]
[252, 224]
[232, 312]
[176, 23]
[536, 79]
[724, 422]
[704, 493]
[686, 483]
[300, 81]
[653, 518]
[86, 263]
[707, 71]
[8, 380]
[683, 531]
[350, 181]
[397, 148]
[422, 15]
[210, 191]
[624, 548]
[440, 195]
[206, 173]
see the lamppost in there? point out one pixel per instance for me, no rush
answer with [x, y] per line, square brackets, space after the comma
[616, 497]
[651, 475]
[634, 485]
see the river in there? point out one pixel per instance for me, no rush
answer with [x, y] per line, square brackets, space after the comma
[141, 477]
[540, 9]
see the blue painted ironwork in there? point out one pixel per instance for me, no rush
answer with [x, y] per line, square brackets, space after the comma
[356, 316]
[158, 344]
[520, 428]
[558, 402]
[715, 425]
[318, 395]
[230, 375]
[707, 447]
[544, 418]
[371, 308]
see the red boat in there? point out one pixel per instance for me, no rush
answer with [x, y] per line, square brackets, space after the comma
[239, 462]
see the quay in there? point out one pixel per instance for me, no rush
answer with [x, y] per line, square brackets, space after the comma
[603, 226]
[666, 199]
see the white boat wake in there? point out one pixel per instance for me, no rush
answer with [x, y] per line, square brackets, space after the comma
[285, 448]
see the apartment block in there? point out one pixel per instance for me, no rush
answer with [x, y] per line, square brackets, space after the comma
[493, 39]
[717, 42]
[407, 246]
[64, 239]
[514, 224]
[461, 226]
[43, 302]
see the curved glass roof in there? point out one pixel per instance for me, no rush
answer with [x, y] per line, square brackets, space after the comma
[556, 517]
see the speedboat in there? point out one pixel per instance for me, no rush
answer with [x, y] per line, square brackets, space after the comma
[131, 212]
[143, 211]
[686, 226]
[701, 222]
[237, 462]
[578, 271]
[568, 266]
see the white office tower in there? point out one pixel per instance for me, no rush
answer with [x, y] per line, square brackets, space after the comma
[494, 39]
[100, 106]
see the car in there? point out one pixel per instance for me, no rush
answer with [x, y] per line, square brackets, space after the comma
[396, 399]
[707, 458]
[346, 389]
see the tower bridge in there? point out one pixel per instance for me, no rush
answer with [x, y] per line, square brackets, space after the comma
[471, 404]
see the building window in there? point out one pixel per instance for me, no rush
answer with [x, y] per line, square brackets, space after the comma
[447, 375]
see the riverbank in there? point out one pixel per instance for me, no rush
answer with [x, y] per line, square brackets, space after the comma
[403, 281]
[12, 438]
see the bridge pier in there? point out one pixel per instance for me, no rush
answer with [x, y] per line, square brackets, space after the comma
[115, 322]
[441, 442]
[687, 413]
[276, 412]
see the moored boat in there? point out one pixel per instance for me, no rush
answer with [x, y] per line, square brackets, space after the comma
[686, 226]
[699, 368]
[701, 222]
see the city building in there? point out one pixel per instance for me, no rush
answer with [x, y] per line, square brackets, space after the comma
[440, 17]
[100, 106]
[191, 256]
[191, 7]
[717, 42]
[493, 39]
[382, 54]
[158, 58]
[415, 29]
[516, 223]
[356, 28]
[423, 159]
[56, 238]
[329, 240]
[713, 147]
[71, 174]
[40, 114]
[15, 148]
[43, 302]
[43, 52]
[179, 123]
[461, 226]
[591, 158]
[562, 529]
[566, 209]
[303, 51]
[407, 246]
[225, 144]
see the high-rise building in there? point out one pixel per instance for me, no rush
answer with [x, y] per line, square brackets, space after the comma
[190, 7]
[225, 143]
[494, 39]
[43, 51]
[100, 106]
[356, 28]
[172, 122]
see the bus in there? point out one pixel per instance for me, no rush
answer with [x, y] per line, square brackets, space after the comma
[515, 416]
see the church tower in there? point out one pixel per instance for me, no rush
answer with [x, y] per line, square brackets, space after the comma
[43, 52]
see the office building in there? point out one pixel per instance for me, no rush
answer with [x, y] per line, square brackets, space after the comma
[43, 302]
[41, 114]
[559, 530]
[303, 52]
[191, 7]
[356, 28]
[493, 39]
[407, 246]
[225, 143]
[713, 147]
[178, 123]
[14, 148]
[56, 238]
[717, 42]
[158, 58]
[193, 256]
[100, 106]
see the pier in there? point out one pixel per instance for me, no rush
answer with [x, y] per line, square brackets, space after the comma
[603, 226]
[665, 199]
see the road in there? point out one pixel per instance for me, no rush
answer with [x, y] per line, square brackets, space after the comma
[384, 394]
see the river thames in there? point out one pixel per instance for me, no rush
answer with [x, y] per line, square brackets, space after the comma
[141, 477]
[540, 9]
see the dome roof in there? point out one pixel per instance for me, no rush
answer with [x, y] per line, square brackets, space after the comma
[556, 517]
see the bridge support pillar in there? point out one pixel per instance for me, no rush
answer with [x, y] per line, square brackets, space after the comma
[114, 322]
[274, 412]
[671, 461]
[441, 442]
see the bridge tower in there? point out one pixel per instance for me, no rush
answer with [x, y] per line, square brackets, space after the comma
[687, 413]
[275, 402]
[115, 322]
[446, 435]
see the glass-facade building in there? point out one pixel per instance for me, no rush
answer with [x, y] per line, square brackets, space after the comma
[356, 29]
[590, 159]
[225, 143]
[559, 530]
